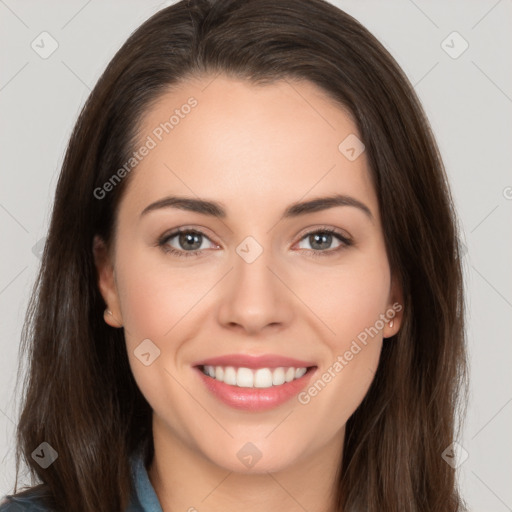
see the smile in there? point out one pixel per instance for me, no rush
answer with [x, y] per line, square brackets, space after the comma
[254, 389]
[251, 378]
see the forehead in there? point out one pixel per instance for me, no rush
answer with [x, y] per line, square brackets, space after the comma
[247, 144]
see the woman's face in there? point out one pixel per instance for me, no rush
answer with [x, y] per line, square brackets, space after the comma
[256, 276]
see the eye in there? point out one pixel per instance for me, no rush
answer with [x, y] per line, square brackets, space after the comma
[190, 242]
[321, 240]
[186, 239]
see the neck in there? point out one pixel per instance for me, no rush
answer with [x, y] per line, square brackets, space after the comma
[185, 480]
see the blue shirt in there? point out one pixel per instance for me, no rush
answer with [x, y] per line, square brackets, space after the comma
[144, 498]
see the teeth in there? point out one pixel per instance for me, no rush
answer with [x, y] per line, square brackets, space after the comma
[248, 378]
[245, 378]
[299, 372]
[278, 377]
[229, 375]
[219, 373]
[262, 378]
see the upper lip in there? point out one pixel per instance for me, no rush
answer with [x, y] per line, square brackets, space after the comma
[247, 361]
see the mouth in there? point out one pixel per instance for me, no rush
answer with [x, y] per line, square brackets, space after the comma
[254, 378]
[254, 389]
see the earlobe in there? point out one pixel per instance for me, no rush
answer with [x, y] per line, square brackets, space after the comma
[394, 313]
[110, 319]
[394, 316]
[106, 283]
[391, 328]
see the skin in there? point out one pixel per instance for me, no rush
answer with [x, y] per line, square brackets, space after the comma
[255, 149]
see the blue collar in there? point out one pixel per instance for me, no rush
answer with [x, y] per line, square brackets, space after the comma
[145, 498]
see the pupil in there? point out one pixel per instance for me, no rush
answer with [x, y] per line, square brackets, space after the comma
[324, 236]
[189, 237]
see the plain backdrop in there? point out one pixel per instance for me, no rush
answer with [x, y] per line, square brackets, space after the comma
[467, 96]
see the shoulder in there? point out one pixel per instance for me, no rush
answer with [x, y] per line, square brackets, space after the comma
[30, 502]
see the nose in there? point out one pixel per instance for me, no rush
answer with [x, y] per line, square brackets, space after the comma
[255, 296]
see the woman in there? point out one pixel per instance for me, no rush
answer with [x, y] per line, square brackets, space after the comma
[308, 352]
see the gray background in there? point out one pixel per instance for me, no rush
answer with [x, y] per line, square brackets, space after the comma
[468, 100]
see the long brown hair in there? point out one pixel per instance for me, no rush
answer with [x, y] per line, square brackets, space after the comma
[79, 394]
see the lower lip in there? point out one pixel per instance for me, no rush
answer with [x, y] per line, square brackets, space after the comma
[255, 399]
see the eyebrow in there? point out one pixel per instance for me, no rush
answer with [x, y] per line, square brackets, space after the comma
[215, 209]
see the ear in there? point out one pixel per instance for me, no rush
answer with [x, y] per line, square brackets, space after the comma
[395, 309]
[107, 283]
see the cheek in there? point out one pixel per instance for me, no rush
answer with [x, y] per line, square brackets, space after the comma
[156, 295]
[350, 303]
[350, 362]
[349, 298]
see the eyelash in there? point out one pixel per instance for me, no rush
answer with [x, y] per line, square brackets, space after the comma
[345, 242]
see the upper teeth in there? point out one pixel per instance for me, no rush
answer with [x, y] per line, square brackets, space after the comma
[248, 378]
